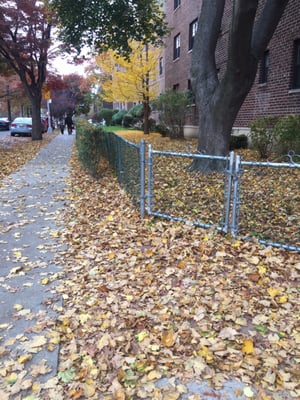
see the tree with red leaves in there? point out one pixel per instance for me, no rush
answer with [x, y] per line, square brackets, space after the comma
[25, 28]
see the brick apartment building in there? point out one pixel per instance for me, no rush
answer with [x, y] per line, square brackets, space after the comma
[276, 90]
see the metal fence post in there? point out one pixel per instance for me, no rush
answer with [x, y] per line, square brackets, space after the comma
[236, 197]
[150, 178]
[142, 178]
[227, 193]
[119, 158]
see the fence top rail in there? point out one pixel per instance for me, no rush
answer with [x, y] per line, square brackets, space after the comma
[124, 140]
[188, 155]
[270, 164]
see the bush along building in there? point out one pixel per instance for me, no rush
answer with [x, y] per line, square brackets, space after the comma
[276, 90]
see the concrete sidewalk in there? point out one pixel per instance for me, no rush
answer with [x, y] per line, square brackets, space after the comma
[30, 201]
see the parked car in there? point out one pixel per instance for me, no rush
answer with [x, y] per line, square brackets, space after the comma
[21, 126]
[4, 124]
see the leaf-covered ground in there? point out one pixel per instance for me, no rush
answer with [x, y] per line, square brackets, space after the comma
[146, 299]
[16, 151]
[150, 299]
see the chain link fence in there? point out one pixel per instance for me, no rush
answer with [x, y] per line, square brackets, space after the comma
[258, 200]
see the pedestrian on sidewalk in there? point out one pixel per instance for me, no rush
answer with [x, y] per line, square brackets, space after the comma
[62, 126]
[69, 123]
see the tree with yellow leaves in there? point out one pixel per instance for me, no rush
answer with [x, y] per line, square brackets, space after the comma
[132, 79]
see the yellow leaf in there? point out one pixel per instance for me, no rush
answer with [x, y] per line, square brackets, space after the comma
[206, 353]
[283, 299]
[168, 338]
[262, 269]
[141, 336]
[248, 346]
[23, 359]
[12, 378]
[273, 291]
[18, 307]
[36, 387]
[110, 217]
[44, 281]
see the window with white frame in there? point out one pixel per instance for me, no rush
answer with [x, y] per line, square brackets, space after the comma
[176, 53]
[192, 32]
[176, 4]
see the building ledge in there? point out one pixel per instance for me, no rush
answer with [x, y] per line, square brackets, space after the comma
[292, 91]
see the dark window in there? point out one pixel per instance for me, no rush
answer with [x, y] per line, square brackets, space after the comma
[176, 47]
[191, 91]
[296, 63]
[192, 33]
[264, 67]
[176, 87]
[176, 4]
[161, 66]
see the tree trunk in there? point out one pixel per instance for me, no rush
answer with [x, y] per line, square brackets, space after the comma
[146, 118]
[219, 99]
[36, 118]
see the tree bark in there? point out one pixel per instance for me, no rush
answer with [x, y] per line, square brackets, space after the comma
[220, 99]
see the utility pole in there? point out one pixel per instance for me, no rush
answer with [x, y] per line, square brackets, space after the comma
[8, 103]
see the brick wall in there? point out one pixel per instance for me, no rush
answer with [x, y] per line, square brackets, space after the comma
[275, 97]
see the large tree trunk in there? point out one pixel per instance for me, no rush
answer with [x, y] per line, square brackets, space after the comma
[219, 99]
[36, 119]
[147, 113]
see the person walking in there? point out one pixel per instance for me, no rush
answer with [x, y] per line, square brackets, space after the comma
[62, 126]
[69, 123]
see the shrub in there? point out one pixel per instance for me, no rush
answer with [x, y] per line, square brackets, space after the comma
[117, 118]
[106, 114]
[238, 142]
[288, 132]
[127, 120]
[263, 135]
[88, 143]
[162, 129]
[173, 107]
[137, 111]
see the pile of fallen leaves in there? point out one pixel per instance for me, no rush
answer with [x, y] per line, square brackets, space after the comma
[16, 151]
[150, 299]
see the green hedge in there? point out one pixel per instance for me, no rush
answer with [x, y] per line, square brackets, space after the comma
[88, 143]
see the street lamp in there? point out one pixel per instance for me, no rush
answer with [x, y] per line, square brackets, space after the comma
[49, 101]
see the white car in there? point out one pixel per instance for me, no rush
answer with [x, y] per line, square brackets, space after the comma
[21, 126]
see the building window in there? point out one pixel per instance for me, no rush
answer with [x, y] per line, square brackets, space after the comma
[176, 4]
[264, 67]
[296, 64]
[176, 47]
[193, 97]
[176, 87]
[161, 66]
[192, 33]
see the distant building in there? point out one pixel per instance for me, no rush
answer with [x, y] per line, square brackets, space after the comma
[276, 90]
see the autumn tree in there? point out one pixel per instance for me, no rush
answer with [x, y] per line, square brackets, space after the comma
[25, 28]
[130, 79]
[105, 24]
[219, 98]
[70, 94]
